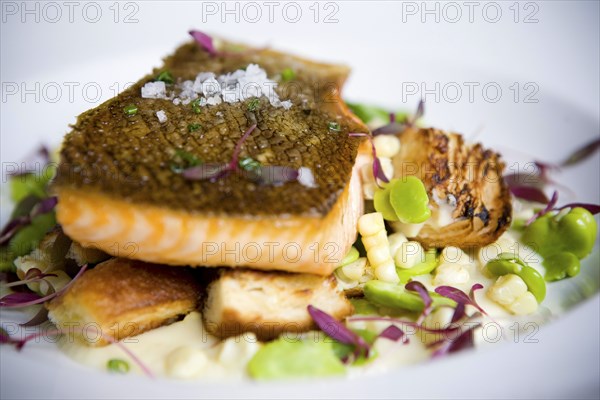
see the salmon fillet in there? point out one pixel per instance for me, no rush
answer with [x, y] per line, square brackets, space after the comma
[118, 192]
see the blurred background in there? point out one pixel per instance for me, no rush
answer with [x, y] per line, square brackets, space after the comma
[521, 76]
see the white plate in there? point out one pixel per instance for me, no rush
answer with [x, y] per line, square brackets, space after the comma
[391, 51]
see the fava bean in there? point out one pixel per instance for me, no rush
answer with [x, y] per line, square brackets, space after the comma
[560, 265]
[507, 263]
[395, 296]
[423, 268]
[574, 232]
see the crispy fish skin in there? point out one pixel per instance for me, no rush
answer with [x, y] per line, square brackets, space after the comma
[130, 157]
[269, 304]
[118, 192]
[124, 298]
[465, 177]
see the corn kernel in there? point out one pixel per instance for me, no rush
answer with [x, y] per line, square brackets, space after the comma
[386, 145]
[409, 254]
[370, 224]
[387, 272]
[395, 240]
[507, 289]
[526, 304]
[374, 240]
[450, 274]
[379, 254]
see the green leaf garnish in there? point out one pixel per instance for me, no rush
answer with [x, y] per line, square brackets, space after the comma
[196, 106]
[193, 127]
[334, 126]
[166, 77]
[249, 164]
[130, 109]
[287, 75]
[253, 104]
[117, 365]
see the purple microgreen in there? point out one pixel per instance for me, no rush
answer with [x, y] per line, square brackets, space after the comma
[549, 207]
[459, 313]
[392, 128]
[39, 318]
[214, 171]
[464, 341]
[204, 41]
[41, 157]
[211, 171]
[529, 193]
[43, 206]
[32, 275]
[19, 298]
[417, 115]
[582, 153]
[233, 164]
[592, 208]
[394, 334]
[459, 296]
[12, 227]
[377, 169]
[338, 331]
[395, 128]
[28, 299]
[274, 175]
[416, 286]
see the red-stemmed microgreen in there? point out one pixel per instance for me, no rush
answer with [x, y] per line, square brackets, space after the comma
[394, 334]
[215, 171]
[416, 286]
[24, 299]
[551, 206]
[529, 187]
[338, 331]
[206, 42]
[31, 276]
[252, 169]
[394, 127]
[459, 296]
[40, 158]
[377, 169]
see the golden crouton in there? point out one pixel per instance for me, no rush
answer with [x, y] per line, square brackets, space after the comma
[123, 298]
[269, 303]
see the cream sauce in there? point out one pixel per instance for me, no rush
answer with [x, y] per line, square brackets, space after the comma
[182, 350]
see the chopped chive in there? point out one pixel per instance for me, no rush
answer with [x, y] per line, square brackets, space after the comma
[190, 159]
[334, 126]
[249, 164]
[193, 127]
[196, 106]
[165, 77]
[130, 109]
[118, 365]
[287, 74]
[253, 105]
